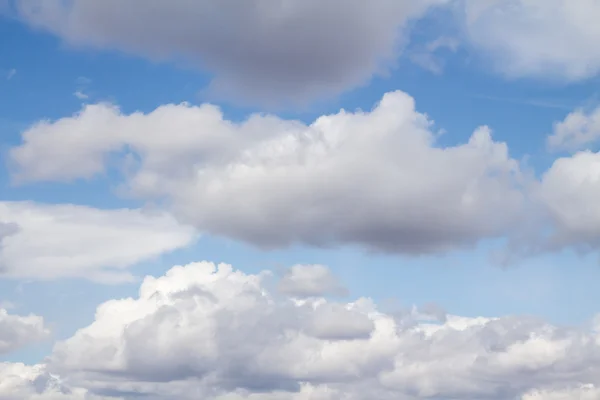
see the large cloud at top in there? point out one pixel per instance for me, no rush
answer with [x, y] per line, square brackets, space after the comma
[296, 50]
[204, 331]
[260, 50]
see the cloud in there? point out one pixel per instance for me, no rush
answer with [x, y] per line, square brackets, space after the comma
[18, 331]
[211, 332]
[19, 381]
[554, 39]
[304, 281]
[57, 241]
[374, 178]
[80, 95]
[578, 130]
[582, 392]
[10, 74]
[569, 190]
[270, 52]
[426, 56]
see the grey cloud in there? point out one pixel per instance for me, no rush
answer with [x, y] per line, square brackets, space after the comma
[376, 178]
[310, 281]
[17, 331]
[268, 51]
[336, 322]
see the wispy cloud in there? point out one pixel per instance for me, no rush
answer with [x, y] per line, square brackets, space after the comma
[543, 103]
[426, 57]
[82, 83]
[10, 74]
[80, 95]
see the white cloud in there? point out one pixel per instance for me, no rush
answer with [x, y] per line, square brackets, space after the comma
[310, 281]
[570, 190]
[54, 241]
[17, 331]
[80, 95]
[578, 130]
[536, 38]
[288, 50]
[11, 73]
[210, 332]
[19, 381]
[583, 392]
[374, 178]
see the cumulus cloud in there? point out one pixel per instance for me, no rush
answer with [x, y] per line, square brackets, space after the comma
[536, 38]
[283, 50]
[310, 281]
[53, 241]
[578, 130]
[208, 331]
[569, 190]
[374, 178]
[17, 331]
[19, 381]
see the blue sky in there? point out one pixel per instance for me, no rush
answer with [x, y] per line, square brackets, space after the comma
[476, 77]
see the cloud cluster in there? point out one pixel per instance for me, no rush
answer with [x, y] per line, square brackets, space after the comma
[17, 331]
[19, 381]
[270, 51]
[41, 241]
[208, 331]
[374, 178]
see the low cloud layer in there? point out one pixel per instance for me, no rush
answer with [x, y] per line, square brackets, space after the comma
[211, 332]
[57, 241]
[375, 178]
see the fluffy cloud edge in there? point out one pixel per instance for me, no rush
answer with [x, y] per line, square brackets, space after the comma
[209, 331]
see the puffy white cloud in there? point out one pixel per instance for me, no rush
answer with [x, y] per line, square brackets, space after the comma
[536, 38]
[374, 178]
[282, 50]
[17, 331]
[578, 130]
[570, 190]
[51, 241]
[210, 332]
[310, 281]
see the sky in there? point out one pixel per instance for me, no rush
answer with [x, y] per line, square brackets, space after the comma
[299, 200]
